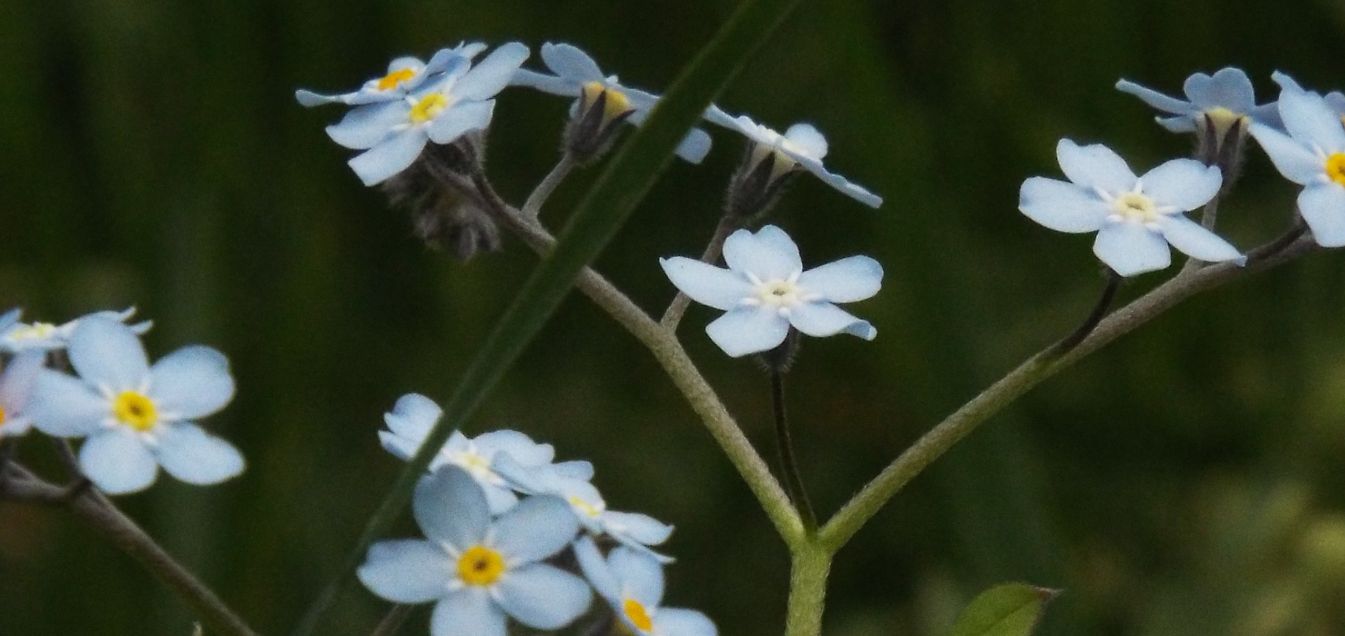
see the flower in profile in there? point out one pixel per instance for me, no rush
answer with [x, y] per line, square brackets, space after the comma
[137, 417]
[775, 155]
[404, 75]
[1225, 98]
[16, 336]
[632, 583]
[601, 97]
[765, 292]
[631, 529]
[1136, 218]
[447, 106]
[16, 385]
[415, 415]
[476, 570]
[1312, 155]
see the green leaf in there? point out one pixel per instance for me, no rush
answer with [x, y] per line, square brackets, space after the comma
[628, 177]
[1012, 609]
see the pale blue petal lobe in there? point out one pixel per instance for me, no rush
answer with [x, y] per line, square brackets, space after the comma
[746, 330]
[413, 416]
[1156, 99]
[1094, 166]
[191, 382]
[1323, 208]
[706, 284]
[492, 73]
[675, 621]
[769, 254]
[1061, 206]
[694, 146]
[364, 127]
[393, 155]
[1184, 183]
[18, 381]
[1310, 120]
[517, 444]
[845, 281]
[808, 139]
[820, 319]
[545, 83]
[543, 597]
[640, 528]
[596, 570]
[1294, 160]
[63, 406]
[107, 354]
[117, 462]
[460, 120]
[1228, 88]
[191, 455]
[1130, 248]
[641, 576]
[1196, 241]
[469, 612]
[407, 571]
[570, 63]
[535, 529]
[451, 508]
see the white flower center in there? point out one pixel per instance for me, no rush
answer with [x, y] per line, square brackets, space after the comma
[476, 464]
[1133, 206]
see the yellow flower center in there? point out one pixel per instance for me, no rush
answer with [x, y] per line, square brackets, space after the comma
[480, 565]
[1335, 167]
[136, 411]
[1224, 119]
[1135, 207]
[394, 79]
[778, 293]
[590, 509]
[615, 104]
[35, 331]
[429, 107]
[637, 615]
[3, 417]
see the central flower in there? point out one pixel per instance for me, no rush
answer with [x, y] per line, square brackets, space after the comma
[395, 78]
[637, 615]
[1133, 206]
[429, 107]
[480, 565]
[780, 294]
[135, 410]
[1335, 167]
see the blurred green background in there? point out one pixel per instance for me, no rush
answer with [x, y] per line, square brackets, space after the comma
[1186, 480]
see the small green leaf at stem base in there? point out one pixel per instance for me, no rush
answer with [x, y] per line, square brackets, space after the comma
[1011, 609]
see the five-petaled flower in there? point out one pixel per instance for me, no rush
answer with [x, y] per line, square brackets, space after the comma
[632, 583]
[16, 337]
[1227, 97]
[1136, 218]
[578, 75]
[765, 291]
[447, 106]
[1312, 155]
[415, 415]
[137, 417]
[404, 75]
[477, 570]
[801, 146]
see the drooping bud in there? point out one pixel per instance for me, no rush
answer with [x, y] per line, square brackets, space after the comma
[1220, 142]
[757, 184]
[595, 121]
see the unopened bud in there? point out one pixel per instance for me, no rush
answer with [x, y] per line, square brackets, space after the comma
[593, 127]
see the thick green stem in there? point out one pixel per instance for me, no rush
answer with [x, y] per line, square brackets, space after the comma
[809, 567]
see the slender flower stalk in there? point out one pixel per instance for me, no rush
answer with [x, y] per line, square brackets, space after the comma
[672, 316]
[533, 206]
[789, 465]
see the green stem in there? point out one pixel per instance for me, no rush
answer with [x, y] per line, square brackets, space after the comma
[809, 567]
[533, 206]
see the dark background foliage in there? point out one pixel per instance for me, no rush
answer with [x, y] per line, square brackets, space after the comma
[1186, 480]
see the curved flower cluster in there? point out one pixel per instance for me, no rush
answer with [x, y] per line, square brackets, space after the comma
[135, 417]
[498, 516]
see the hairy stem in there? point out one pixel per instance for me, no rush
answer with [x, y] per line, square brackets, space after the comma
[533, 206]
[103, 516]
[789, 466]
[1029, 374]
[809, 567]
[678, 307]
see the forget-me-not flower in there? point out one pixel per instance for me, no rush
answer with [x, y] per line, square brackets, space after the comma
[1136, 218]
[405, 74]
[765, 291]
[632, 529]
[447, 106]
[476, 570]
[578, 75]
[1226, 97]
[16, 386]
[137, 417]
[415, 415]
[632, 583]
[16, 337]
[801, 146]
[1312, 155]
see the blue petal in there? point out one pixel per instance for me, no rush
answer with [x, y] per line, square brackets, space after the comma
[769, 254]
[1183, 183]
[461, 119]
[694, 146]
[1228, 88]
[309, 99]
[1062, 206]
[63, 406]
[191, 382]
[1294, 160]
[1156, 99]
[365, 126]
[596, 570]
[451, 509]
[535, 529]
[675, 621]
[390, 157]
[517, 444]
[746, 330]
[577, 469]
[808, 139]
[821, 319]
[118, 462]
[491, 74]
[1310, 121]
[706, 284]
[570, 63]
[107, 355]
[18, 381]
[1323, 208]
[640, 576]
[406, 571]
[545, 83]
[1094, 166]
[189, 454]
[543, 597]
[469, 612]
[637, 527]
[1196, 241]
[1130, 248]
[845, 281]
[1180, 123]
[838, 182]
[413, 416]
[9, 319]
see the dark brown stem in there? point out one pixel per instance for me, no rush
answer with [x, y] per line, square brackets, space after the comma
[789, 465]
[1094, 317]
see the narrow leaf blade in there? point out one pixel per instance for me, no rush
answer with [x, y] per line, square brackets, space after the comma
[1012, 609]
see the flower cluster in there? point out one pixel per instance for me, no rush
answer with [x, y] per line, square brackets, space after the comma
[135, 417]
[499, 516]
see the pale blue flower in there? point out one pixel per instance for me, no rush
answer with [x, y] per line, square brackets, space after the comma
[9, 319]
[16, 386]
[405, 74]
[16, 336]
[1225, 97]
[1312, 155]
[578, 75]
[137, 417]
[632, 584]
[638, 531]
[1136, 218]
[447, 106]
[415, 415]
[801, 146]
[765, 291]
[476, 570]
